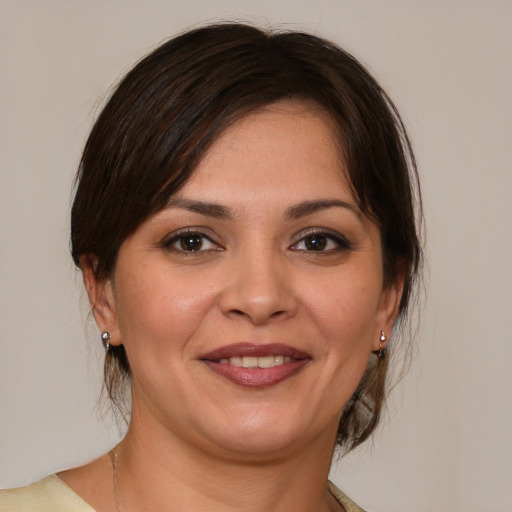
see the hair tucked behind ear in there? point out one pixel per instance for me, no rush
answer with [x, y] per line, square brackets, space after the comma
[362, 412]
[117, 378]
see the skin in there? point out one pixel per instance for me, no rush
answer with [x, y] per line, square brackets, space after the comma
[255, 276]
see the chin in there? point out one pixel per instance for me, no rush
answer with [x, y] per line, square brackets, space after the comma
[259, 445]
[271, 433]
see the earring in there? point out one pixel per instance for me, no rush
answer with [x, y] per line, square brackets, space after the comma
[105, 339]
[382, 346]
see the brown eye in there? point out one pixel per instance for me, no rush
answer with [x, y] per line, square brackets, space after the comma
[315, 242]
[191, 242]
[322, 242]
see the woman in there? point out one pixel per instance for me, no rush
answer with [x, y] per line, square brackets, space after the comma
[245, 226]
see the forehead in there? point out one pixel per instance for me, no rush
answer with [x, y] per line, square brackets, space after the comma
[290, 147]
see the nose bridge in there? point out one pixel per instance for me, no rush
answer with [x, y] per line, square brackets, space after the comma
[259, 284]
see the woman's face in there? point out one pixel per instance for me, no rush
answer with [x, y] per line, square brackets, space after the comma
[249, 306]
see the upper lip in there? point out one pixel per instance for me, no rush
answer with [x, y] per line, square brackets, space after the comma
[247, 349]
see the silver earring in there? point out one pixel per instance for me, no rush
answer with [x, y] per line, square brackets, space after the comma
[382, 346]
[105, 339]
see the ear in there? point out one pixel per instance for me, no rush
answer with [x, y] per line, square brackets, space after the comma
[101, 297]
[388, 311]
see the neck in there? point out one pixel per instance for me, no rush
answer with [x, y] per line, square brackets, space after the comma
[157, 471]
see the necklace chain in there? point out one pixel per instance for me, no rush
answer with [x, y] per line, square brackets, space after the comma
[114, 478]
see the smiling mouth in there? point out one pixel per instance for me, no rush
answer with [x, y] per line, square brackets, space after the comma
[257, 362]
[256, 366]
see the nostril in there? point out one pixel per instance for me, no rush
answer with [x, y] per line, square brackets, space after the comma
[239, 312]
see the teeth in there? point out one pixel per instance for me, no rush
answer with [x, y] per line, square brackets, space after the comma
[266, 362]
[250, 362]
[278, 360]
[257, 362]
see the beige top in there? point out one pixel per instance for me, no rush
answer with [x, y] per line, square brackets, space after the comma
[51, 494]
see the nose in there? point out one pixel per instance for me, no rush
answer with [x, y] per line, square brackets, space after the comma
[259, 288]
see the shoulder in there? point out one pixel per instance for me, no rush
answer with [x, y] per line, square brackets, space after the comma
[341, 498]
[48, 495]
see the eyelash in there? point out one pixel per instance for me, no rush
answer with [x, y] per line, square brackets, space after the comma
[180, 237]
[328, 237]
[324, 240]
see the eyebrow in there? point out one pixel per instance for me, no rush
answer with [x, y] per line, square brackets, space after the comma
[208, 209]
[309, 207]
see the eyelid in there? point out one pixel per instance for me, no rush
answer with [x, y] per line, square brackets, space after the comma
[341, 240]
[203, 232]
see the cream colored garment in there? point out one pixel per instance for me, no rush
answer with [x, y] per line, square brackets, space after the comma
[51, 494]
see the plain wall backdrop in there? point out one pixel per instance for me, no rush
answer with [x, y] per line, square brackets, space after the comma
[445, 444]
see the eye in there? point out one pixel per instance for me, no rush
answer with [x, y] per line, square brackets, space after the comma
[321, 242]
[191, 242]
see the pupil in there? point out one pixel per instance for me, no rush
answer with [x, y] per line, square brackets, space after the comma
[316, 242]
[191, 242]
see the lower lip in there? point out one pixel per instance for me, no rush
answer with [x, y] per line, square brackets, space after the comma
[256, 377]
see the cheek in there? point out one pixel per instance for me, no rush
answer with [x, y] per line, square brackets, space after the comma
[345, 312]
[160, 309]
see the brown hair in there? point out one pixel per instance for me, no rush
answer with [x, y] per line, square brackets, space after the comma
[173, 105]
